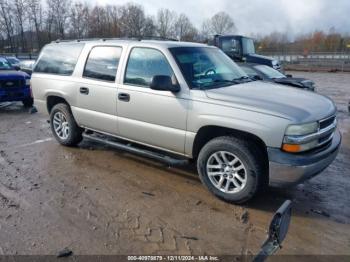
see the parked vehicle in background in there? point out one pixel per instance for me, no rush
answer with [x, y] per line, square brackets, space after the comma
[242, 49]
[14, 61]
[14, 85]
[186, 101]
[27, 66]
[266, 73]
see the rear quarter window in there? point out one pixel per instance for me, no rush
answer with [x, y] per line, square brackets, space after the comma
[58, 59]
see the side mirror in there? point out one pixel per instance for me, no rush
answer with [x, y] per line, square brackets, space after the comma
[164, 83]
[17, 68]
[277, 232]
[289, 76]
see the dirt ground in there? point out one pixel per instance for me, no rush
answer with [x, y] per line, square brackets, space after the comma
[97, 200]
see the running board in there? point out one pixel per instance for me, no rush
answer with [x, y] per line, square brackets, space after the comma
[139, 151]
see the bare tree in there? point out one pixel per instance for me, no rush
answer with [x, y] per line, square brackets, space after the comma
[97, 21]
[221, 23]
[7, 21]
[35, 13]
[185, 31]
[113, 18]
[79, 20]
[58, 13]
[19, 8]
[149, 28]
[166, 20]
[133, 20]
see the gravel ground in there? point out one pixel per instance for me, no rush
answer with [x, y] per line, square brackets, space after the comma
[97, 200]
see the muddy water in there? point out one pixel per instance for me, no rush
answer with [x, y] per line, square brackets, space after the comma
[97, 200]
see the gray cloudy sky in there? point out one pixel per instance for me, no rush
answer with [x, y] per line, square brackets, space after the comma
[259, 16]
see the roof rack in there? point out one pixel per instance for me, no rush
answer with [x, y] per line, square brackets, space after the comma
[158, 38]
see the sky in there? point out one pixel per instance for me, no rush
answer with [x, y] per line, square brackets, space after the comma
[259, 16]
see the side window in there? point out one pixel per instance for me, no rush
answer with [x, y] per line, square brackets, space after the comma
[58, 59]
[102, 63]
[144, 64]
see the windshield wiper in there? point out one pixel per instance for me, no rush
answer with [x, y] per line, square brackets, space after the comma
[242, 78]
[224, 81]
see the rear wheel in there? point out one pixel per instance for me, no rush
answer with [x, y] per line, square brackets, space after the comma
[28, 102]
[230, 168]
[64, 127]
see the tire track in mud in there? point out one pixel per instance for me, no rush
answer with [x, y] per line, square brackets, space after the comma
[7, 190]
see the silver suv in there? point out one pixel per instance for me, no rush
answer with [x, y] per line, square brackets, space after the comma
[184, 101]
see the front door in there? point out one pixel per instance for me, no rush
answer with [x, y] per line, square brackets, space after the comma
[152, 117]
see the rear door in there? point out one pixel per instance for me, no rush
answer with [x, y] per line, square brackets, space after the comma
[98, 91]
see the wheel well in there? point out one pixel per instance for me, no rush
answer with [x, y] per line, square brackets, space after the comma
[51, 101]
[207, 133]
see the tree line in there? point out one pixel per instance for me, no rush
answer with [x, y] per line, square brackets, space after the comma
[27, 25]
[317, 41]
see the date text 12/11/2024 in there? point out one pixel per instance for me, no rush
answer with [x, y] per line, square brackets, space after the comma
[173, 258]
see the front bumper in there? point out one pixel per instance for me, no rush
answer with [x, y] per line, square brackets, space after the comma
[290, 169]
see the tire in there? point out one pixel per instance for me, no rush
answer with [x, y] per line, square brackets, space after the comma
[245, 173]
[28, 102]
[69, 133]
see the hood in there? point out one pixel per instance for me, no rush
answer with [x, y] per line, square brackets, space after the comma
[290, 103]
[13, 74]
[258, 59]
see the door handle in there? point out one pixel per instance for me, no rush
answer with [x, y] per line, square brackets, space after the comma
[124, 97]
[84, 90]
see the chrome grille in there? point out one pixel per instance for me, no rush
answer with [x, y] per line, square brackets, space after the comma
[327, 128]
[327, 122]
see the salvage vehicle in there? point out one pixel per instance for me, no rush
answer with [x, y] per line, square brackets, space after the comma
[242, 49]
[14, 61]
[180, 102]
[14, 85]
[266, 73]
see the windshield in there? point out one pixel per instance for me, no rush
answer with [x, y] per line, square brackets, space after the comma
[269, 71]
[12, 60]
[230, 45]
[207, 67]
[4, 64]
[248, 46]
[249, 71]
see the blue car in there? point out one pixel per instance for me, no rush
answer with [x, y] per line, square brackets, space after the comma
[14, 61]
[14, 85]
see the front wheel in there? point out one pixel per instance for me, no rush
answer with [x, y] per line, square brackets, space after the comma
[230, 168]
[64, 127]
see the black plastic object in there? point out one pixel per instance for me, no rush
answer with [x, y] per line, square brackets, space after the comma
[277, 232]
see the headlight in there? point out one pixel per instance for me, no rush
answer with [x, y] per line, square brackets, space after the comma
[299, 138]
[27, 82]
[299, 130]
